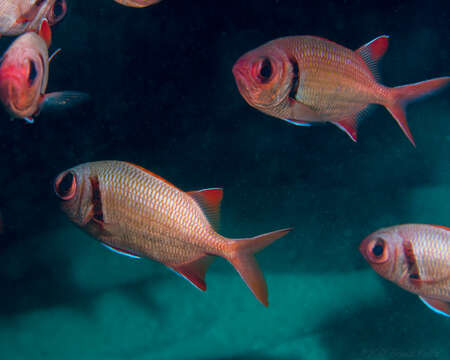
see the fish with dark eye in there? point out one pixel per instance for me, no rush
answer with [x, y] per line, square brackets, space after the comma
[137, 3]
[24, 74]
[20, 16]
[416, 257]
[139, 214]
[309, 80]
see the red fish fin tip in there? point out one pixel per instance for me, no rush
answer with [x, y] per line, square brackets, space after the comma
[245, 263]
[439, 306]
[375, 49]
[398, 112]
[442, 227]
[372, 52]
[45, 32]
[248, 269]
[195, 271]
[350, 127]
[209, 201]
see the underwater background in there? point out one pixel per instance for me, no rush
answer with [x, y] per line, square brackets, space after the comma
[163, 97]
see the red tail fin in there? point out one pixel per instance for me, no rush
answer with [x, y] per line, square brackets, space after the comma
[245, 263]
[402, 95]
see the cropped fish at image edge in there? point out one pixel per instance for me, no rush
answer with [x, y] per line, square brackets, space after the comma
[137, 213]
[20, 16]
[417, 258]
[24, 75]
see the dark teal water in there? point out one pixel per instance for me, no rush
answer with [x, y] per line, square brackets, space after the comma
[164, 98]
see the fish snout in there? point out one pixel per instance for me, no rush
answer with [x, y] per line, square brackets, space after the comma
[9, 82]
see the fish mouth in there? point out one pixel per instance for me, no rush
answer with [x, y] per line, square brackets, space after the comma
[241, 79]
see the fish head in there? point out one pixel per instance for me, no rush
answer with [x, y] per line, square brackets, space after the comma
[264, 76]
[56, 12]
[74, 190]
[381, 251]
[23, 71]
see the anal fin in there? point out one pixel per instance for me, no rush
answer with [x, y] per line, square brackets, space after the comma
[349, 126]
[438, 306]
[194, 271]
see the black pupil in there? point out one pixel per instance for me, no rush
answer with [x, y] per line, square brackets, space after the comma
[58, 9]
[65, 184]
[377, 250]
[266, 69]
[33, 73]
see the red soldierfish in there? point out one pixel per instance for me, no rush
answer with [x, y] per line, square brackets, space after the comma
[137, 213]
[137, 3]
[20, 16]
[307, 79]
[415, 257]
[24, 75]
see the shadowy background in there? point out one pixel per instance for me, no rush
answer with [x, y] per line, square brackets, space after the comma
[163, 97]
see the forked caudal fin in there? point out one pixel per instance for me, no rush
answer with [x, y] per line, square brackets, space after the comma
[245, 263]
[402, 95]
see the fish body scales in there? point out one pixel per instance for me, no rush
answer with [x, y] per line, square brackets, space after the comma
[431, 247]
[333, 80]
[159, 220]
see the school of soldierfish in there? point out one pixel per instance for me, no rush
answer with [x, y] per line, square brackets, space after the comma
[303, 80]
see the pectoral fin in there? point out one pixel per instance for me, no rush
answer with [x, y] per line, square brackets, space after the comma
[302, 113]
[61, 99]
[439, 306]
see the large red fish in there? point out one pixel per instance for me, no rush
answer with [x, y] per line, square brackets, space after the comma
[417, 258]
[307, 79]
[137, 213]
[19, 16]
[24, 75]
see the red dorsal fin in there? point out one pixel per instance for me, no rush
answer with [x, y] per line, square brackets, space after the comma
[442, 227]
[45, 32]
[194, 271]
[209, 201]
[374, 51]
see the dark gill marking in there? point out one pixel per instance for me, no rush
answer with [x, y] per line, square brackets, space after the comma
[295, 79]
[411, 261]
[96, 199]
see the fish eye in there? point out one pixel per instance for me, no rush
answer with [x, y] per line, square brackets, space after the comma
[66, 185]
[377, 250]
[58, 11]
[32, 73]
[265, 70]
